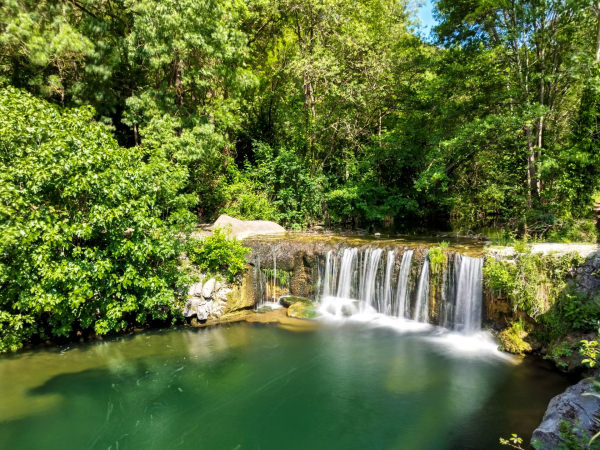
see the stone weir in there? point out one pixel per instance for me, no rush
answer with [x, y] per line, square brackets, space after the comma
[417, 280]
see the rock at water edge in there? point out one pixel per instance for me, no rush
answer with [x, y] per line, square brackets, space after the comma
[570, 406]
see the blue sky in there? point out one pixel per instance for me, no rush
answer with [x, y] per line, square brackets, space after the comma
[425, 13]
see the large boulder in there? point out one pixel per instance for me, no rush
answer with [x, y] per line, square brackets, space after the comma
[573, 407]
[241, 229]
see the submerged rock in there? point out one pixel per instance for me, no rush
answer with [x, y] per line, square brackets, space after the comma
[302, 310]
[289, 300]
[575, 408]
[241, 229]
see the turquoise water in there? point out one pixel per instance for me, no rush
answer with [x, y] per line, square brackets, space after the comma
[253, 386]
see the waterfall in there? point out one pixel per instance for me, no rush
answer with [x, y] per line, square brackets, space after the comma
[327, 276]
[421, 313]
[346, 272]
[386, 306]
[467, 310]
[375, 280]
[367, 287]
[402, 308]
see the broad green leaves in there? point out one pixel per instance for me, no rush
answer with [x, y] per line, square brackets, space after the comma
[88, 226]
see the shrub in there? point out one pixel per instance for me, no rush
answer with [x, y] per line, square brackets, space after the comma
[532, 283]
[437, 259]
[218, 255]
[87, 226]
[248, 203]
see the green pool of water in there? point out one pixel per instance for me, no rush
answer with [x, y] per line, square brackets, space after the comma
[248, 386]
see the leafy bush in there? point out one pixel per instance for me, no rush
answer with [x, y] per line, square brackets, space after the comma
[574, 311]
[87, 226]
[574, 231]
[248, 203]
[218, 255]
[532, 282]
[294, 190]
[437, 259]
[560, 353]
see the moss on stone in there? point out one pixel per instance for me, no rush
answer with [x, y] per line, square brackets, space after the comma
[512, 339]
[302, 310]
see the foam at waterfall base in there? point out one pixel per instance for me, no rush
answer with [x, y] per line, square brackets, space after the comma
[481, 343]
[350, 311]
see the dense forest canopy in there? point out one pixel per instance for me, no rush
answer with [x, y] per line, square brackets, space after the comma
[310, 111]
[124, 123]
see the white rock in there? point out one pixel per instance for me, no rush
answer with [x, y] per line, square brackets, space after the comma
[191, 306]
[195, 289]
[208, 288]
[203, 310]
[241, 229]
[221, 294]
[217, 308]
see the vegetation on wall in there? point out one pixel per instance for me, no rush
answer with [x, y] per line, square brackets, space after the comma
[545, 302]
[218, 254]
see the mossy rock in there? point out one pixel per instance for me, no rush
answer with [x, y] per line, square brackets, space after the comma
[513, 341]
[289, 300]
[302, 310]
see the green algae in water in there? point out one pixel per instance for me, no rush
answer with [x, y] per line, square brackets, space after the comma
[256, 386]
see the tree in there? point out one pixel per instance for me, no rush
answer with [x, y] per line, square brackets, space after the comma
[88, 226]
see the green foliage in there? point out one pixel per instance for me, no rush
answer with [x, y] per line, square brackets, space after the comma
[572, 312]
[532, 282]
[87, 226]
[295, 193]
[574, 231]
[500, 277]
[359, 120]
[437, 260]
[513, 441]
[282, 277]
[246, 202]
[574, 437]
[560, 353]
[590, 351]
[218, 255]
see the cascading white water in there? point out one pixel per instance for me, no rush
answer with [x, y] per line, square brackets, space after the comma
[386, 306]
[367, 286]
[402, 307]
[346, 273]
[467, 310]
[421, 313]
[372, 280]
